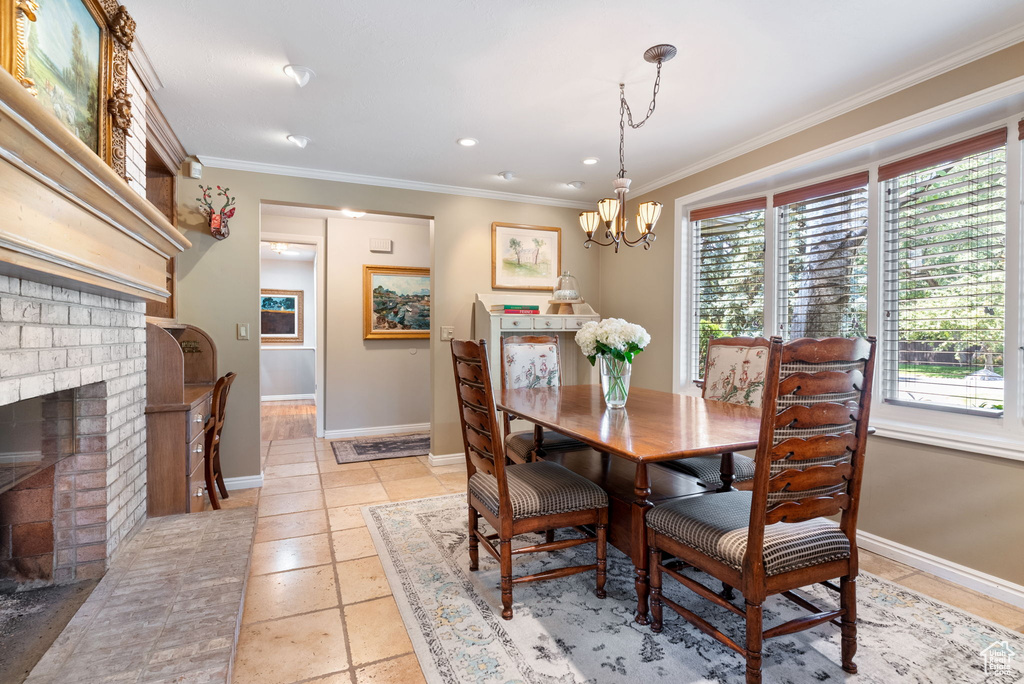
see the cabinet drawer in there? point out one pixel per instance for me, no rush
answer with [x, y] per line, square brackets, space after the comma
[575, 323]
[197, 419]
[516, 323]
[547, 324]
[196, 452]
[197, 490]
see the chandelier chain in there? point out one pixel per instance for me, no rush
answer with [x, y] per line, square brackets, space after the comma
[626, 115]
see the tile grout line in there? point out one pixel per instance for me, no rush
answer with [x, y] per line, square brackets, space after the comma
[337, 584]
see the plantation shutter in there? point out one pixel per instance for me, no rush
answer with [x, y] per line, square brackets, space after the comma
[728, 289]
[944, 273]
[823, 275]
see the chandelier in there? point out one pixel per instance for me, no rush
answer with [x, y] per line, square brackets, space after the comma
[611, 211]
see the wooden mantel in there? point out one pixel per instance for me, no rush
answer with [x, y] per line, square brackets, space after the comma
[65, 217]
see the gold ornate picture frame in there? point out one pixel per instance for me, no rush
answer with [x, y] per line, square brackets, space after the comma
[113, 110]
[396, 302]
[281, 317]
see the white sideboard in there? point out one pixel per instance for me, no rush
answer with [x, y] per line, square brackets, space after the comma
[491, 326]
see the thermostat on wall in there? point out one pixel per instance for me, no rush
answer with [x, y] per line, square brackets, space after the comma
[195, 170]
[380, 245]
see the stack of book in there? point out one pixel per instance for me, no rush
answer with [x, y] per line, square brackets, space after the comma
[515, 309]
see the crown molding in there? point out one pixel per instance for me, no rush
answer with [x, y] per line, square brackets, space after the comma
[399, 183]
[139, 59]
[999, 41]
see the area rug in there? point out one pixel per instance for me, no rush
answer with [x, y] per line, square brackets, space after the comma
[563, 634]
[378, 448]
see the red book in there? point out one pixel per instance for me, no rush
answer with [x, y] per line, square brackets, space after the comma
[520, 311]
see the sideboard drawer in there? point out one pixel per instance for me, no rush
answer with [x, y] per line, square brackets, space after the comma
[196, 453]
[197, 419]
[575, 323]
[516, 322]
[197, 490]
[548, 324]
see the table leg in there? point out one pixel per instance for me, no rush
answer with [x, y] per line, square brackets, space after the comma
[642, 490]
[728, 472]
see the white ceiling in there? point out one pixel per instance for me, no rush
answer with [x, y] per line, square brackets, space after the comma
[295, 252]
[536, 82]
[302, 211]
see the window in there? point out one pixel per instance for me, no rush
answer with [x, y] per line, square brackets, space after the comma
[944, 277]
[823, 264]
[728, 294]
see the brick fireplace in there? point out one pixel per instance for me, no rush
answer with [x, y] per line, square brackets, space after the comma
[72, 371]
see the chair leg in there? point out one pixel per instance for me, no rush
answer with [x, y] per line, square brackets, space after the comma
[549, 536]
[602, 556]
[506, 579]
[474, 543]
[848, 623]
[655, 578]
[208, 468]
[220, 478]
[727, 593]
[754, 638]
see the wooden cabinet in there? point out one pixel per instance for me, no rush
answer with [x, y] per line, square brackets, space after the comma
[181, 370]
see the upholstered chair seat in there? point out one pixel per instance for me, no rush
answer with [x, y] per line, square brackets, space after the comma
[717, 526]
[708, 469]
[540, 488]
[522, 444]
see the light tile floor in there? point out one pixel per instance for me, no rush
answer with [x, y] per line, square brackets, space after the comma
[319, 608]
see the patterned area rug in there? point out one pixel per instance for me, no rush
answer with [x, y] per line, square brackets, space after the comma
[563, 634]
[378, 448]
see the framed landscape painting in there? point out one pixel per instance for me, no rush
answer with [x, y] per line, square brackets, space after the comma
[525, 257]
[64, 60]
[281, 316]
[396, 302]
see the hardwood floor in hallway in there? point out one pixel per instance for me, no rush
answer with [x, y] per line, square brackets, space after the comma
[287, 420]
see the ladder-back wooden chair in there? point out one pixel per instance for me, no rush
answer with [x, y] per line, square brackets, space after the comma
[518, 498]
[532, 361]
[214, 425]
[735, 373]
[777, 538]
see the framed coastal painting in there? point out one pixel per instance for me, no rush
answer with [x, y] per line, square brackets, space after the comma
[525, 257]
[396, 302]
[281, 316]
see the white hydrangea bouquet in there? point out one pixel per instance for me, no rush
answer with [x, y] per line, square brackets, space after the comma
[616, 342]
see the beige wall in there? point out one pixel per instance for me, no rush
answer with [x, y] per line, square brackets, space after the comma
[959, 506]
[218, 280]
[371, 383]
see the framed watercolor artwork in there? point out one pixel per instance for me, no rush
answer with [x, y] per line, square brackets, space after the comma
[396, 302]
[281, 316]
[525, 257]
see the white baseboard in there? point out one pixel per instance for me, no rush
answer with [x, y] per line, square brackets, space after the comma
[446, 459]
[989, 585]
[376, 431]
[247, 482]
[288, 397]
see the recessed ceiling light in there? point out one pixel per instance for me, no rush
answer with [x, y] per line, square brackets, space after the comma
[467, 142]
[575, 185]
[299, 141]
[299, 74]
[351, 213]
[507, 175]
[590, 161]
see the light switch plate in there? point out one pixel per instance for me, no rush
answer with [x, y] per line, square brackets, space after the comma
[447, 333]
[243, 331]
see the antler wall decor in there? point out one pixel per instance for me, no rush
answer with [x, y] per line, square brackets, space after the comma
[218, 220]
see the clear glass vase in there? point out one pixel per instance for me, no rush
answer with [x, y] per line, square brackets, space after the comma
[614, 381]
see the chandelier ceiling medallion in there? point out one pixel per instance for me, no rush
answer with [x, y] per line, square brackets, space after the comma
[611, 211]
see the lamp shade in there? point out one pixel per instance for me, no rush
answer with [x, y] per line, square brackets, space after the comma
[589, 221]
[608, 208]
[648, 214]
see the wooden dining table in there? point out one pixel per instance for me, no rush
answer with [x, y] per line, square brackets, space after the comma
[654, 426]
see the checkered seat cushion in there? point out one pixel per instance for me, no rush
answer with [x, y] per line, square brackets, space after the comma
[716, 525]
[540, 488]
[521, 443]
[708, 469]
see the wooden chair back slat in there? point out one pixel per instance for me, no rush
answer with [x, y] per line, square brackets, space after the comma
[825, 382]
[819, 446]
[481, 436]
[810, 456]
[807, 509]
